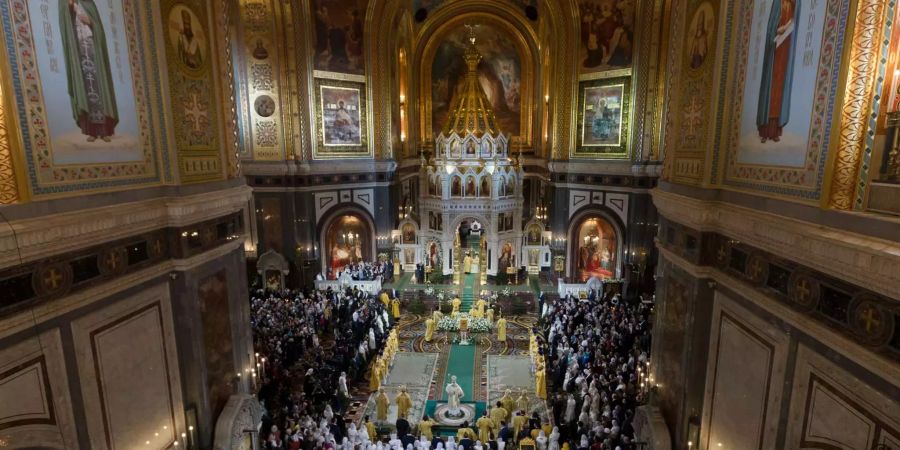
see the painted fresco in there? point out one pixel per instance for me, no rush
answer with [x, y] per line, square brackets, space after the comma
[596, 249]
[781, 74]
[86, 79]
[218, 349]
[788, 61]
[607, 34]
[499, 73]
[347, 241]
[339, 34]
[192, 89]
[700, 35]
[603, 116]
[340, 116]
[187, 38]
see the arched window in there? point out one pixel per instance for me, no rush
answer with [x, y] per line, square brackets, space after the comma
[502, 192]
[439, 186]
[511, 185]
[595, 247]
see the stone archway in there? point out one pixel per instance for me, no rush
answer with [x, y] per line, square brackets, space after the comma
[334, 245]
[602, 254]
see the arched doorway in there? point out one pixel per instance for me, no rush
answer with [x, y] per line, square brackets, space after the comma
[595, 248]
[346, 239]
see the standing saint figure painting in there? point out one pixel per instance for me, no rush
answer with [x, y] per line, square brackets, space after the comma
[90, 81]
[774, 108]
[189, 46]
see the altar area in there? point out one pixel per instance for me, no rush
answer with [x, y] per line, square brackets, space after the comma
[484, 370]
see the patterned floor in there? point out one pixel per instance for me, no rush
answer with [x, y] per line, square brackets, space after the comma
[423, 366]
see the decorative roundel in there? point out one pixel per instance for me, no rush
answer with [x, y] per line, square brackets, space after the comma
[870, 320]
[112, 261]
[208, 235]
[156, 246]
[52, 279]
[804, 290]
[443, 416]
[723, 252]
[757, 269]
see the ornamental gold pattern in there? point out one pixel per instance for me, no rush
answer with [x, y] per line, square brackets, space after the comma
[861, 76]
[9, 192]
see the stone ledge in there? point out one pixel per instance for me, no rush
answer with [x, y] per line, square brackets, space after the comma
[29, 240]
[856, 258]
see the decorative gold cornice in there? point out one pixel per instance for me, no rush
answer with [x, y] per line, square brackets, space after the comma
[863, 66]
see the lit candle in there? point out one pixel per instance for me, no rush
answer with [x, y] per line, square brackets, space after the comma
[191, 435]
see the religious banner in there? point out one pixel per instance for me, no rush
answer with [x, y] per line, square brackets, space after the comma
[79, 68]
[788, 62]
[603, 118]
[342, 123]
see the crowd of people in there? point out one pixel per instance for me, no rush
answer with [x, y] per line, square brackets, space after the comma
[590, 355]
[364, 271]
[597, 357]
[316, 344]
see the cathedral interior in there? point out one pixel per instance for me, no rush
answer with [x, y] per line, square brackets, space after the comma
[640, 224]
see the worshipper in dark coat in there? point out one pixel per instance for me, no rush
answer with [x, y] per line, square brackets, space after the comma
[505, 433]
[436, 440]
[402, 429]
[466, 443]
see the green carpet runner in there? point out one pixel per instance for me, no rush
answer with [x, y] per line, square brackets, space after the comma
[461, 361]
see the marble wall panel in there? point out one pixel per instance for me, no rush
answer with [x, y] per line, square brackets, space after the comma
[832, 408]
[129, 372]
[35, 407]
[743, 390]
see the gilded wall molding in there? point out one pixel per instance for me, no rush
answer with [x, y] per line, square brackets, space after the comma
[858, 259]
[863, 67]
[9, 187]
[224, 16]
[383, 22]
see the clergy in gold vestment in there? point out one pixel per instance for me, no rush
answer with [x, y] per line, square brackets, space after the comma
[429, 329]
[385, 299]
[370, 429]
[480, 305]
[375, 376]
[467, 264]
[501, 329]
[540, 383]
[403, 403]
[464, 432]
[518, 423]
[522, 401]
[381, 405]
[425, 428]
[484, 424]
[456, 303]
[498, 414]
[508, 403]
[395, 308]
